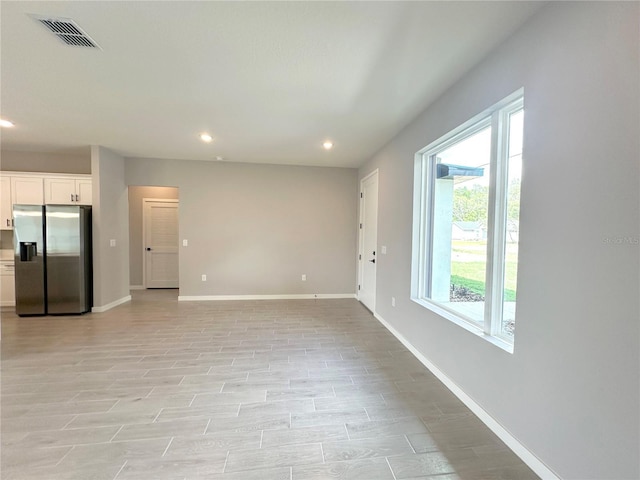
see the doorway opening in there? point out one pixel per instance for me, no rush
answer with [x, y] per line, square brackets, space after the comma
[153, 237]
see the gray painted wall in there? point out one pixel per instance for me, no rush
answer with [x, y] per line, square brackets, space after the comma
[570, 391]
[136, 194]
[110, 215]
[44, 162]
[255, 229]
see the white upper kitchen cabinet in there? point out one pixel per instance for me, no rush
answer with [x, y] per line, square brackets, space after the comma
[18, 189]
[67, 190]
[26, 190]
[84, 189]
[6, 210]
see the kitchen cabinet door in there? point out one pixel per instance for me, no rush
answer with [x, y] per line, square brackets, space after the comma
[67, 191]
[60, 191]
[27, 190]
[6, 205]
[7, 285]
[84, 191]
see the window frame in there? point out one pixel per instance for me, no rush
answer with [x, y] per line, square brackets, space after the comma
[498, 118]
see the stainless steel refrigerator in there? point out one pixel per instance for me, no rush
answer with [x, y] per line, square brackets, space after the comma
[53, 259]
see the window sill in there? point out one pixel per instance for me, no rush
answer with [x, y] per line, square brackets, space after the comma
[465, 323]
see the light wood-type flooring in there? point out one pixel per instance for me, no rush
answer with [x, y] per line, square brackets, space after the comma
[242, 390]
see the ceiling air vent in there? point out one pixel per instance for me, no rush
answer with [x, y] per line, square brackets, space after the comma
[67, 30]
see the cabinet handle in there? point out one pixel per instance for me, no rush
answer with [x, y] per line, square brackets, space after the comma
[8, 224]
[77, 198]
[72, 197]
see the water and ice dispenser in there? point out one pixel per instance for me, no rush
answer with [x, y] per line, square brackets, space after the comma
[28, 251]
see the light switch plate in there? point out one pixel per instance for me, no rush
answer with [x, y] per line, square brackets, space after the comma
[112, 242]
[185, 243]
[384, 249]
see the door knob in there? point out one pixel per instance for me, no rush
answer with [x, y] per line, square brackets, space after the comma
[373, 261]
[148, 249]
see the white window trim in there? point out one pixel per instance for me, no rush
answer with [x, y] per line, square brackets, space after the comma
[497, 117]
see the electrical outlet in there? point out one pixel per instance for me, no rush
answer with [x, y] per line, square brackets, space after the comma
[384, 249]
[393, 301]
[112, 242]
[185, 243]
[304, 277]
[204, 278]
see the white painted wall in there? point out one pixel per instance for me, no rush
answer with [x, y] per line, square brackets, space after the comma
[255, 229]
[110, 222]
[570, 391]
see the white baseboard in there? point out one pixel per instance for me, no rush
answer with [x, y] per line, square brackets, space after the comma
[198, 298]
[111, 305]
[513, 443]
[137, 287]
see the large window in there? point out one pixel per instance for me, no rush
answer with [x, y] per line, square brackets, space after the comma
[466, 222]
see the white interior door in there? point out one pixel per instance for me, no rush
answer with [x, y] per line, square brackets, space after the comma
[368, 255]
[160, 243]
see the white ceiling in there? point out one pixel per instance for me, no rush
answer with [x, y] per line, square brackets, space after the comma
[270, 81]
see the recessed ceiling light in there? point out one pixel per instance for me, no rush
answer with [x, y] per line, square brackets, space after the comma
[328, 145]
[5, 123]
[205, 137]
